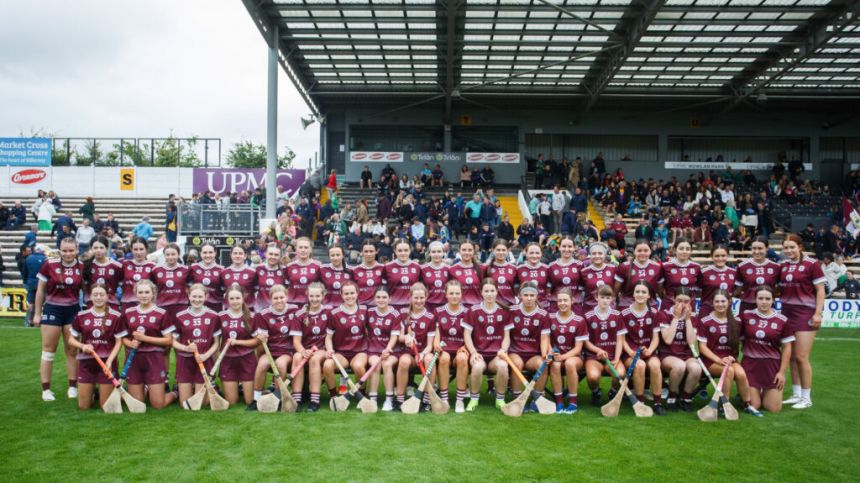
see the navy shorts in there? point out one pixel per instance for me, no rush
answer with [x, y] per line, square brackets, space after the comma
[59, 315]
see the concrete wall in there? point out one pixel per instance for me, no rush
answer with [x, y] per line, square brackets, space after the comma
[803, 124]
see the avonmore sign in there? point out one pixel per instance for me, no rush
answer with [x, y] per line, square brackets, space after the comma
[376, 156]
[29, 176]
[506, 158]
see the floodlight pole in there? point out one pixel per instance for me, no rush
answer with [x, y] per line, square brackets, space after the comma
[272, 125]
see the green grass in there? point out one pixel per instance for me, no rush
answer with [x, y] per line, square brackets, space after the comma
[55, 441]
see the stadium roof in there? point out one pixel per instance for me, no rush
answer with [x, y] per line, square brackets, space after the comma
[416, 52]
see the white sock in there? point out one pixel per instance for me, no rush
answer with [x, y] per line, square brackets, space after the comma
[257, 395]
[795, 390]
[806, 394]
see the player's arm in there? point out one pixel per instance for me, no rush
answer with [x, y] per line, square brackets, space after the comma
[40, 301]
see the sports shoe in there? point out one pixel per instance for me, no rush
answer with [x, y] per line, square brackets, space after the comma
[794, 399]
[410, 391]
[671, 405]
[664, 393]
[559, 408]
[531, 407]
[802, 404]
[659, 410]
[387, 406]
[312, 407]
[72, 393]
[48, 395]
[459, 407]
[596, 396]
[397, 405]
[570, 409]
[252, 406]
[473, 405]
[611, 395]
[500, 403]
[425, 408]
[684, 405]
[753, 412]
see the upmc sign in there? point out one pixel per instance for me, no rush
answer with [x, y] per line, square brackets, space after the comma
[235, 180]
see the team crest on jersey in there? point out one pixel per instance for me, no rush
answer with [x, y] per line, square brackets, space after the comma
[69, 280]
[136, 277]
[502, 279]
[354, 330]
[594, 325]
[561, 339]
[773, 325]
[97, 333]
[315, 330]
[422, 325]
[377, 332]
[724, 340]
[303, 280]
[684, 281]
[525, 331]
[517, 320]
[632, 323]
[452, 331]
[186, 323]
[491, 330]
[57, 270]
[604, 336]
[566, 280]
[370, 282]
[679, 336]
[196, 332]
[712, 330]
[284, 329]
[759, 334]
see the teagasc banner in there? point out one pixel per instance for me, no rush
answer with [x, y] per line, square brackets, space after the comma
[25, 151]
[235, 180]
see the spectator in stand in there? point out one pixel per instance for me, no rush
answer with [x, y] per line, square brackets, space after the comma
[18, 215]
[852, 286]
[365, 181]
[488, 212]
[526, 232]
[505, 231]
[644, 231]
[64, 232]
[472, 211]
[84, 236]
[30, 236]
[55, 200]
[569, 223]
[488, 177]
[579, 202]
[486, 238]
[465, 176]
[64, 220]
[171, 223]
[113, 224]
[142, 229]
[599, 165]
[831, 240]
[5, 216]
[331, 184]
[438, 177]
[702, 236]
[46, 213]
[619, 230]
[559, 206]
[32, 266]
[88, 209]
[661, 240]
[544, 211]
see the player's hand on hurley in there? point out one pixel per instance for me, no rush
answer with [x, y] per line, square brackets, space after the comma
[779, 380]
[601, 354]
[137, 335]
[409, 341]
[263, 336]
[501, 352]
[87, 349]
[725, 361]
[135, 344]
[307, 353]
[192, 347]
[329, 354]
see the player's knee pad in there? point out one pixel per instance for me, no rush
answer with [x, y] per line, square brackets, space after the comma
[48, 356]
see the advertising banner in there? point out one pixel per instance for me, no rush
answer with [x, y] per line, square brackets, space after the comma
[234, 180]
[376, 156]
[25, 151]
[703, 166]
[493, 158]
[436, 157]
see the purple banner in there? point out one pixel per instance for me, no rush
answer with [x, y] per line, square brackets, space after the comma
[236, 180]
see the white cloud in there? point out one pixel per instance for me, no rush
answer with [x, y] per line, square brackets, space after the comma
[141, 69]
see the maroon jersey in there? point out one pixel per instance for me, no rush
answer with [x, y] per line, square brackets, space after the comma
[450, 327]
[399, 277]
[488, 328]
[368, 279]
[299, 276]
[98, 330]
[109, 275]
[563, 275]
[505, 276]
[277, 327]
[380, 328]
[714, 333]
[564, 332]
[797, 281]
[266, 278]
[642, 327]
[679, 347]
[677, 274]
[527, 330]
[604, 329]
[752, 275]
[348, 330]
[422, 326]
[763, 336]
[233, 327]
[539, 274]
[470, 280]
[311, 326]
[593, 279]
[434, 279]
[202, 329]
[209, 277]
[133, 272]
[628, 273]
[155, 322]
[333, 279]
[714, 279]
[245, 278]
[62, 282]
[172, 285]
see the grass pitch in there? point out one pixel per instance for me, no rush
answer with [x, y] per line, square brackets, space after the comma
[55, 441]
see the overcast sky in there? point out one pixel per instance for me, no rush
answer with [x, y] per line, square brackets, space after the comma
[135, 68]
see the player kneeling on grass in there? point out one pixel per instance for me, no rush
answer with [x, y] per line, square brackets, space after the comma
[418, 334]
[451, 324]
[272, 327]
[718, 335]
[569, 334]
[605, 341]
[383, 329]
[345, 337]
[98, 330]
[196, 331]
[487, 336]
[239, 360]
[767, 340]
[529, 333]
[643, 331]
[150, 330]
[308, 331]
[677, 333]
